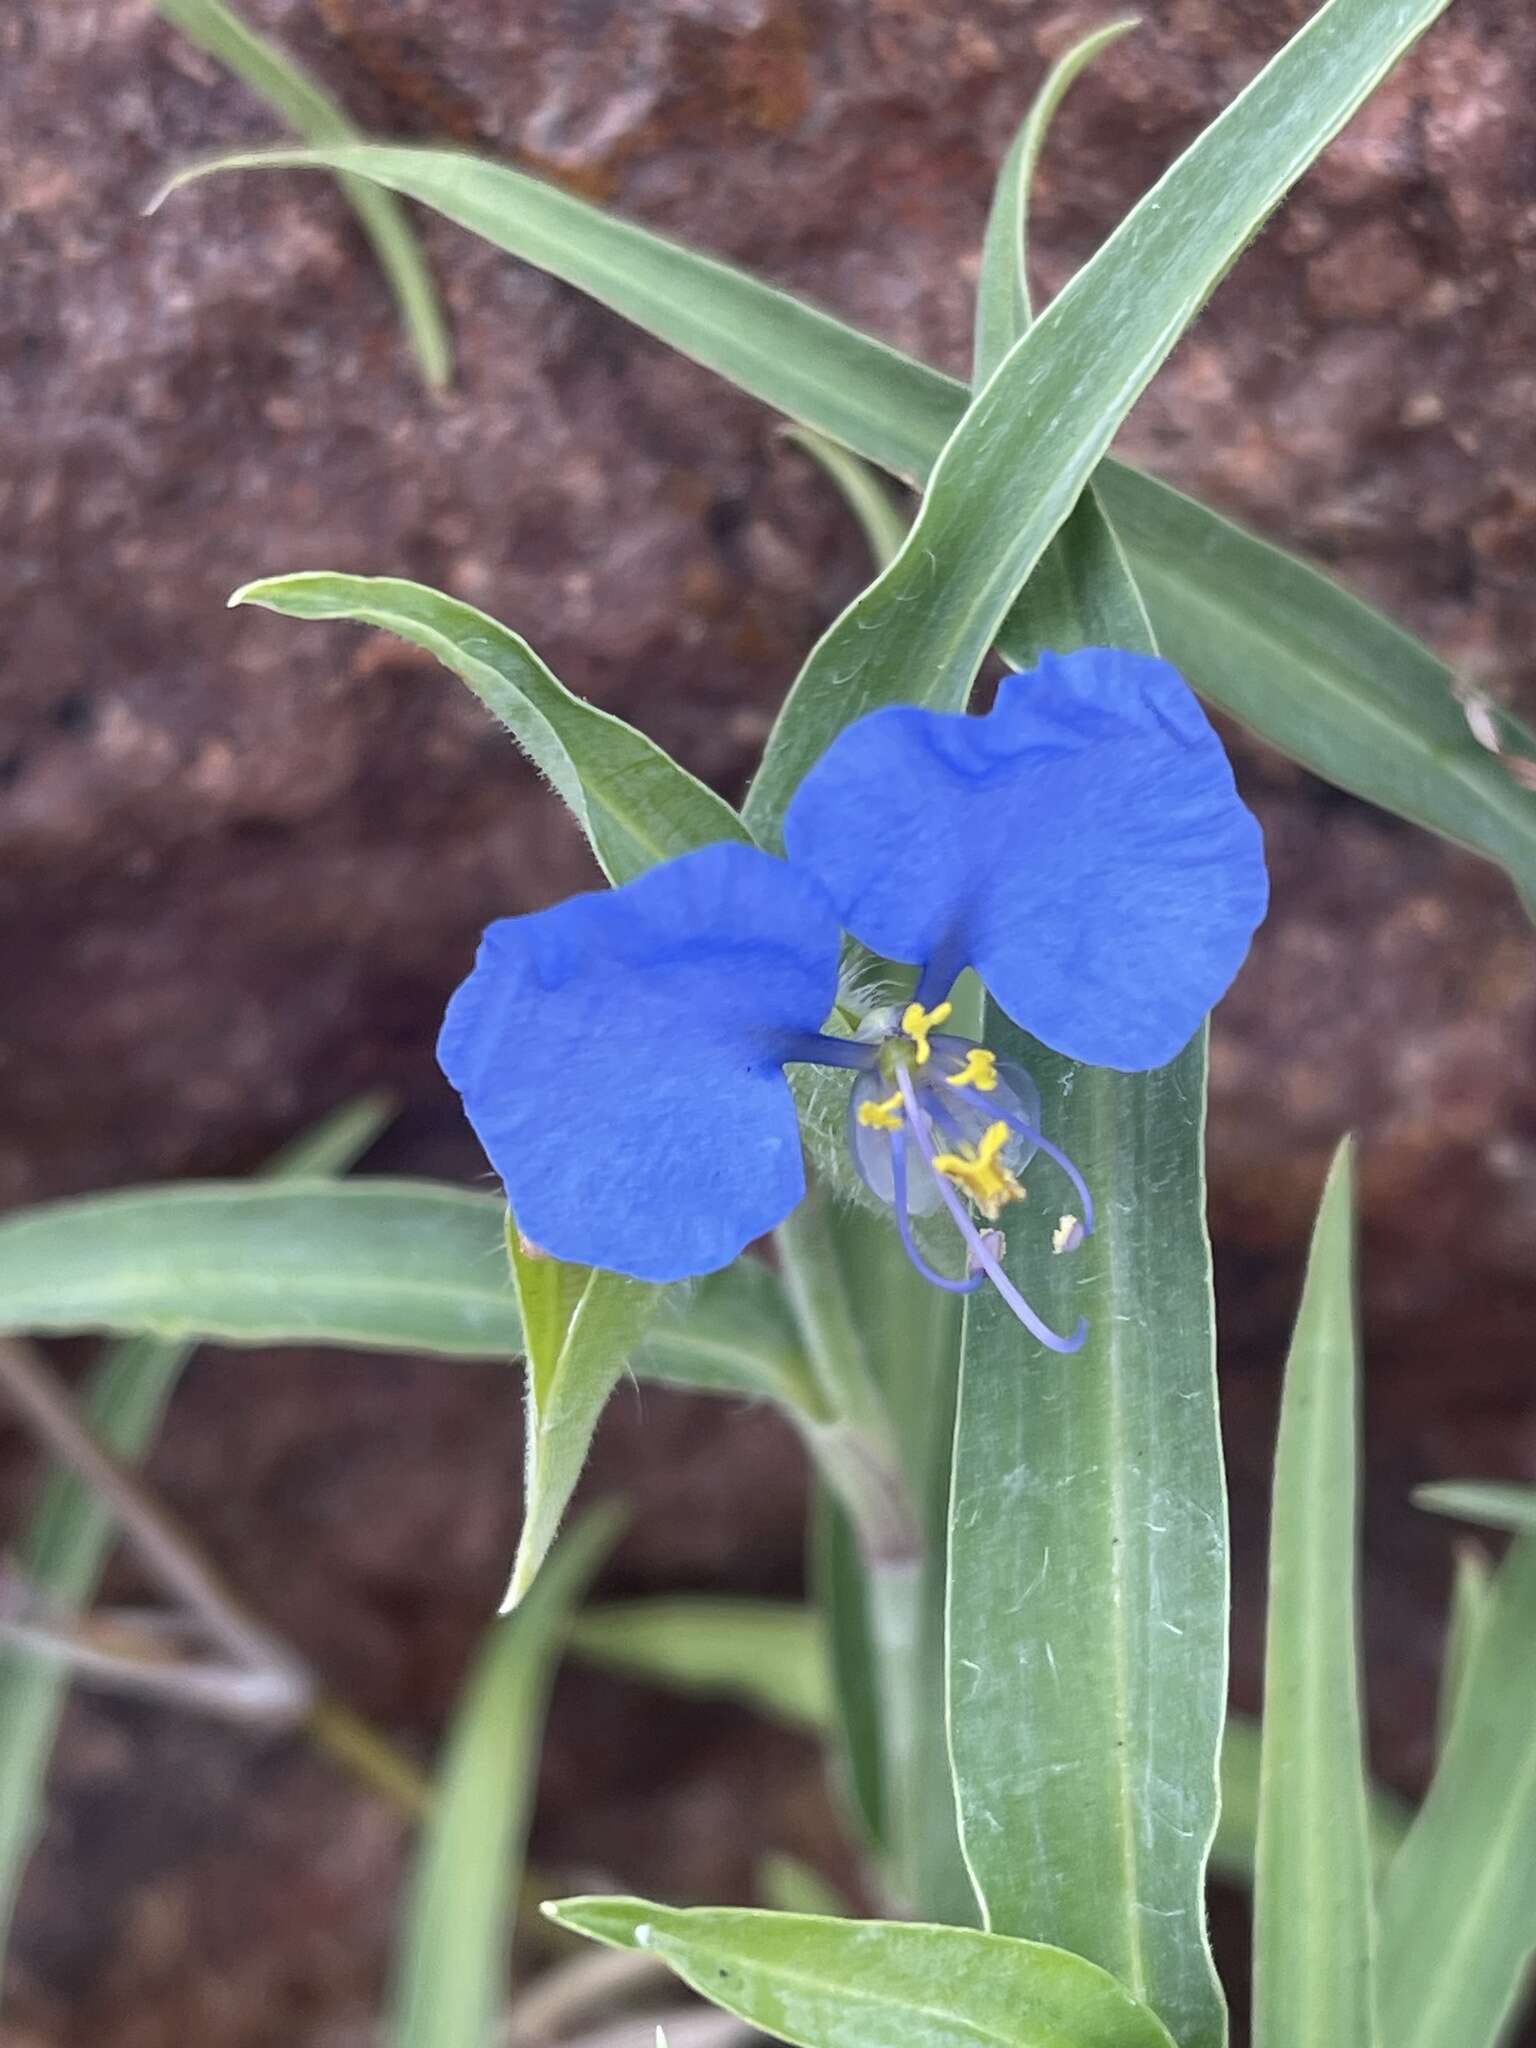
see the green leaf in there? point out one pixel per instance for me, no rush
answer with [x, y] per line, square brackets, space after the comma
[770, 1654]
[1002, 292]
[851, 387]
[393, 1265]
[579, 1327]
[1268, 639]
[311, 112]
[869, 1983]
[1491, 1504]
[1032, 437]
[63, 1549]
[1471, 1600]
[1313, 1961]
[1088, 1567]
[732, 1333]
[790, 1886]
[1458, 1911]
[452, 1968]
[633, 801]
[1232, 1852]
[1127, 1512]
[883, 522]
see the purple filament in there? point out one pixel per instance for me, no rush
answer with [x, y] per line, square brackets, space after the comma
[981, 1252]
[821, 1049]
[904, 1224]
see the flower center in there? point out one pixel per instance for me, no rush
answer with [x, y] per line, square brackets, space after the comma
[936, 1121]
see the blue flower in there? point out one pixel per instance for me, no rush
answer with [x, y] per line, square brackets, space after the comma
[1082, 846]
[621, 1059]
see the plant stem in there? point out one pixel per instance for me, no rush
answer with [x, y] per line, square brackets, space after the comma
[855, 1445]
[166, 1548]
[359, 1747]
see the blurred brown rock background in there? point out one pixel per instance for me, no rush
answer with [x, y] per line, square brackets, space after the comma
[242, 861]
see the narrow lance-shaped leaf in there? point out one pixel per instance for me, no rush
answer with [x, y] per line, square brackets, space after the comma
[1032, 437]
[771, 1654]
[579, 1328]
[1458, 1910]
[1088, 1566]
[1088, 1578]
[311, 112]
[1471, 1599]
[64, 1547]
[452, 1966]
[1003, 308]
[867, 1984]
[1314, 1913]
[1266, 637]
[633, 801]
[394, 1265]
[1493, 1504]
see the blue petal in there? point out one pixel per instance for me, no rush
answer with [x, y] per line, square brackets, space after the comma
[1082, 847]
[620, 1057]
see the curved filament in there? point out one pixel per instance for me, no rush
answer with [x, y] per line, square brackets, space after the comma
[904, 1224]
[982, 1254]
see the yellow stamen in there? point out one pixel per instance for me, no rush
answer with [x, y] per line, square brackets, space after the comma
[981, 1174]
[917, 1022]
[979, 1071]
[882, 1116]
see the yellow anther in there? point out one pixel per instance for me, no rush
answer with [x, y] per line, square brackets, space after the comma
[979, 1071]
[917, 1022]
[882, 1116]
[979, 1171]
[1067, 1235]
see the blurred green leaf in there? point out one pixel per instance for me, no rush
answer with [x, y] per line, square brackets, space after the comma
[393, 1265]
[770, 1654]
[1232, 1852]
[730, 1333]
[1032, 437]
[1314, 1913]
[787, 1885]
[888, 1651]
[63, 1549]
[1458, 1910]
[869, 1984]
[1491, 1504]
[451, 1972]
[579, 1327]
[883, 522]
[1471, 1598]
[633, 801]
[1002, 292]
[311, 112]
